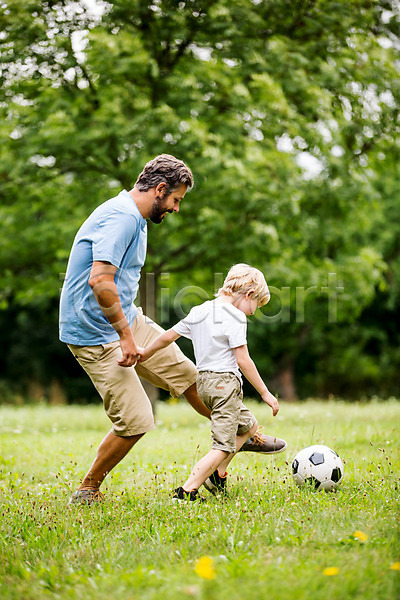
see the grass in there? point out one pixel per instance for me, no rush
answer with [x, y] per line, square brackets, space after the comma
[269, 539]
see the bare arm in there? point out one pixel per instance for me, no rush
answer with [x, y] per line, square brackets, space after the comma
[102, 282]
[164, 340]
[249, 370]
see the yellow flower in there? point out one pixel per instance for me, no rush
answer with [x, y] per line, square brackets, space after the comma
[330, 571]
[204, 567]
[395, 566]
[360, 536]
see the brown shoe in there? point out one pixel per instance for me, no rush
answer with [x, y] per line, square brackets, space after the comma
[264, 444]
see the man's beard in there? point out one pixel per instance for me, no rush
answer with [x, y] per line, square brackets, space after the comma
[158, 210]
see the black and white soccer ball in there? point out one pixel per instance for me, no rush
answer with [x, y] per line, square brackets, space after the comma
[318, 466]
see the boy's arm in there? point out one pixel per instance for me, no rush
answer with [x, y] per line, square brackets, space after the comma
[249, 370]
[164, 340]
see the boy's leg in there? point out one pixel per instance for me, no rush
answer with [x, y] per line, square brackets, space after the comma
[204, 468]
[221, 392]
[246, 426]
[240, 440]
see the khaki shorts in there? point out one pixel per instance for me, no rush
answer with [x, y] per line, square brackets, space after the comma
[222, 394]
[125, 401]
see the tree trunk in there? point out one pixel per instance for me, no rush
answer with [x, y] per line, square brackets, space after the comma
[36, 390]
[148, 289]
[56, 393]
[284, 383]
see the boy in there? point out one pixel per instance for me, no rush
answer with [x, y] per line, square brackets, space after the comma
[217, 329]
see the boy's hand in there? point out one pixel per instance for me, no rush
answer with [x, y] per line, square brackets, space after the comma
[164, 340]
[143, 355]
[271, 401]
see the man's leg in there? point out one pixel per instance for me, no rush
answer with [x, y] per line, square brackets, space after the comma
[111, 451]
[192, 397]
[264, 444]
[127, 406]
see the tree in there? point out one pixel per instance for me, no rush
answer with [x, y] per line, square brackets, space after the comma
[242, 91]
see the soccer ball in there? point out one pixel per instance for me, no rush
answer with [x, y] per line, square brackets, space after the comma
[319, 466]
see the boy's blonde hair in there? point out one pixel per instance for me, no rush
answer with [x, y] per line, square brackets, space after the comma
[241, 279]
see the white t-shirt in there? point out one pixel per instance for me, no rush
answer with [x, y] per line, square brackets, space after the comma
[215, 328]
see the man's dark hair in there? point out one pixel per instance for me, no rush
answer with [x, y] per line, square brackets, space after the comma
[164, 168]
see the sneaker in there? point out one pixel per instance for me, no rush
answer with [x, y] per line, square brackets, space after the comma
[215, 483]
[264, 444]
[182, 495]
[86, 497]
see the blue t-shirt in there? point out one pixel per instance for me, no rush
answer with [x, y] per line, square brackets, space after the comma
[115, 232]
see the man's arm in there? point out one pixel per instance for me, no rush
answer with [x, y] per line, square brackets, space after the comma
[102, 282]
[249, 370]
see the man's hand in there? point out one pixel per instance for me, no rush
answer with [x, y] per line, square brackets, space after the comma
[130, 352]
[271, 401]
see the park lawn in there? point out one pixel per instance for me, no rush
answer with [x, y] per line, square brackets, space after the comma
[268, 539]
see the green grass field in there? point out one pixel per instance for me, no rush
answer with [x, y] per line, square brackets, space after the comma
[268, 539]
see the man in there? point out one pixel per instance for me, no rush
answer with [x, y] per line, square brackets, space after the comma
[104, 329]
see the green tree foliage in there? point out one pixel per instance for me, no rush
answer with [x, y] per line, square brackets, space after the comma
[287, 113]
